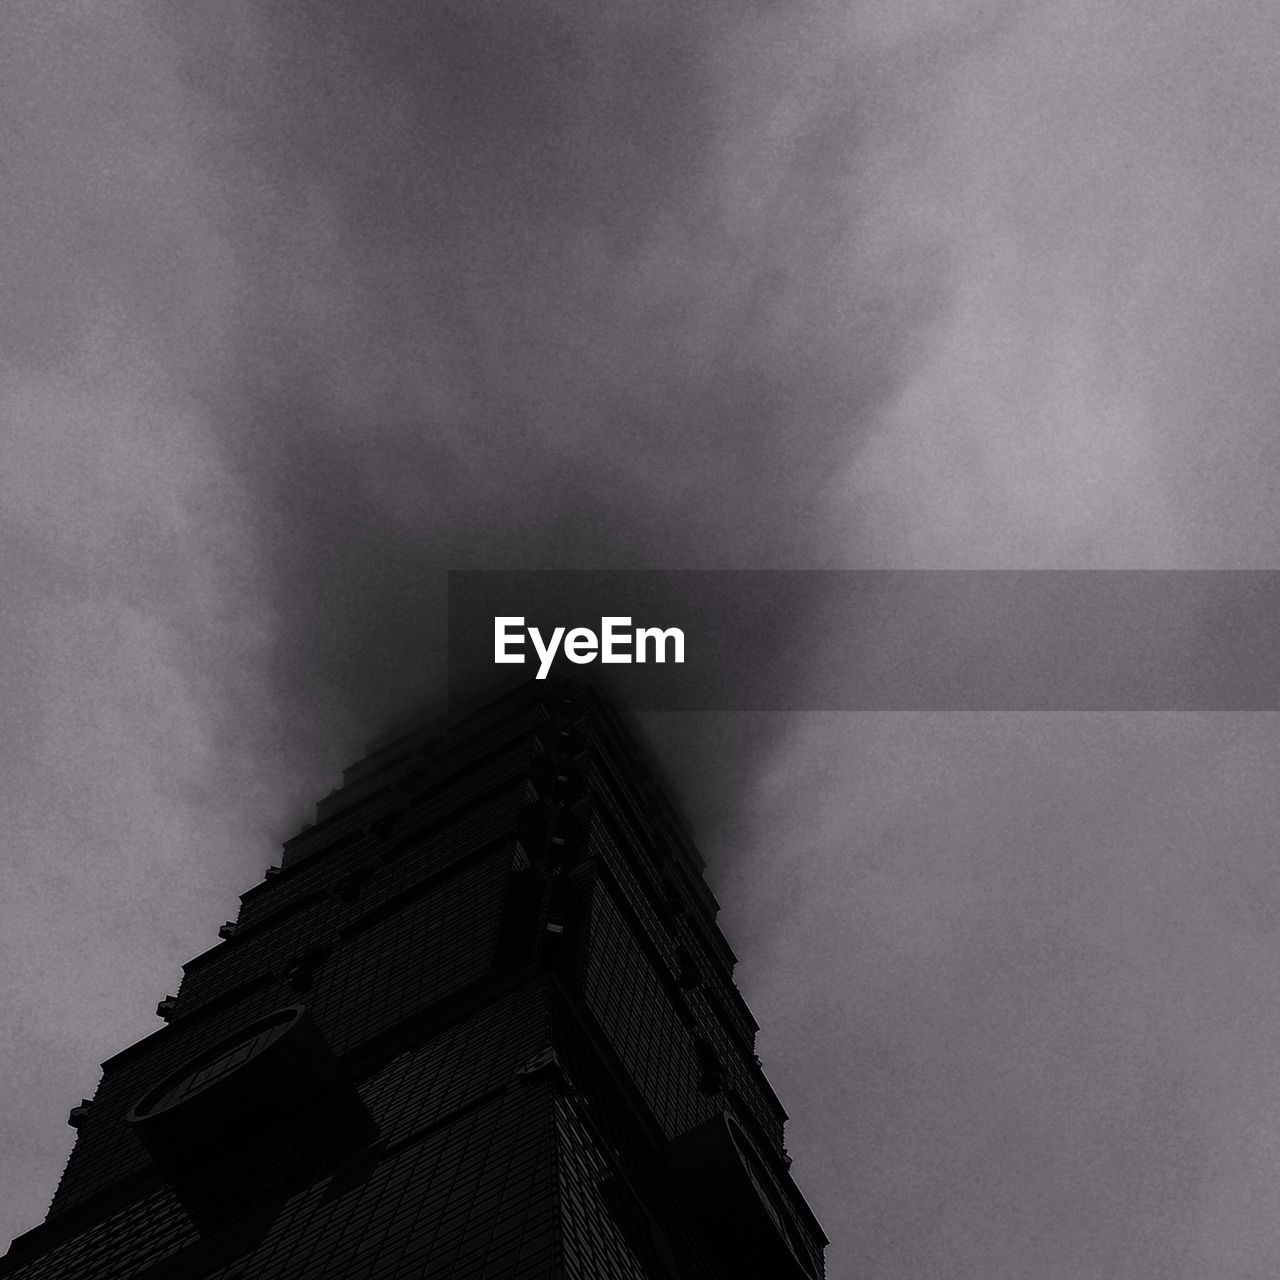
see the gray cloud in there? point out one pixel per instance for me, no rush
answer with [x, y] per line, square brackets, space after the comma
[308, 307]
[1040, 987]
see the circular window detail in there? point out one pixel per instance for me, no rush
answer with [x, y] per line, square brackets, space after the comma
[729, 1191]
[241, 1087]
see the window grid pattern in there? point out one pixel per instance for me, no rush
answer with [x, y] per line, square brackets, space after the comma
[439, 848]
[350, 822]
[121, 1245]
[717, 1007]
[435, 801]
[635, 1013]
[434, 804]
[595, 1246]
[474, 1199]
[320, 869]
[618, 1126]
[665, 937]
[621, 1126]
[359, 783]
[267, 899]
[518, 702]
[467, 745]
[610, 1124]
[742, 1075]
[430, 948]
[623, 766]
[459, 1065]
[740, 1071]
[278, 943]
[605, 786]
[240, 959]
[382, 759]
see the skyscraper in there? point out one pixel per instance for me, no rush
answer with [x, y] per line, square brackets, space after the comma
[479, 1022]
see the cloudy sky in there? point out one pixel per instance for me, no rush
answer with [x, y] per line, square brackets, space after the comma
[306, 304]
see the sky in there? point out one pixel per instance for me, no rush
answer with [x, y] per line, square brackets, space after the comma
[305, 305]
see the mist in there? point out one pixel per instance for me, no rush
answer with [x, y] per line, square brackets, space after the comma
[306, 307]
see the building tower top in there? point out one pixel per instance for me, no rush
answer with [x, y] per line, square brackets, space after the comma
[479, 1022]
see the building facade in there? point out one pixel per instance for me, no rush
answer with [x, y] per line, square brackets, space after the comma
[479, 1022]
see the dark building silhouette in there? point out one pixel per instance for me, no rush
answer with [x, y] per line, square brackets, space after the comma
[480, 1022]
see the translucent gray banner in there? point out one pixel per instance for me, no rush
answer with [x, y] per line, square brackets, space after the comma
[877, 640]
